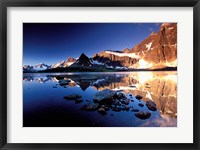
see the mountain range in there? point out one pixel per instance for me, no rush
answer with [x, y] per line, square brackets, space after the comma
[157, 51]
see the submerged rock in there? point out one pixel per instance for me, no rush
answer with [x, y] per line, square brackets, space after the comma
[141, 105]
[138, 97]
[73, 97]
[104, 95]
[90, 107]
[151, 105]
[143, 115]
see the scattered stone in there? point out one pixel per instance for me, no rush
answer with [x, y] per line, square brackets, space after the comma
[151, 105]
[141, 105]
[64, 82]
[130, 95]
[90, 107]
[78, 101]
[104, 95]
[102, 111]
[135, 110]
[126, 108]
[126, 101]
[143, 115]
[120, 96]
[117, 109]
[132, 100]
[116, 102]
[107, 108]
[138, 97]
[72, 97]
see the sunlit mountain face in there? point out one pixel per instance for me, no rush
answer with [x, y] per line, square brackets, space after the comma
[159, 87]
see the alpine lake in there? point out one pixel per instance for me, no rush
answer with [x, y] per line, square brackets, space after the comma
[67, 99]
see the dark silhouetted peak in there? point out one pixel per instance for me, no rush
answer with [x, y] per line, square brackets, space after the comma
[82, 61]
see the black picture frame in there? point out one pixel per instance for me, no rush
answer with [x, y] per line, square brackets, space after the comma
[97, 3]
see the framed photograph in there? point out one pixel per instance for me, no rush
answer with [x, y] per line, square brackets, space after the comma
[99, 74]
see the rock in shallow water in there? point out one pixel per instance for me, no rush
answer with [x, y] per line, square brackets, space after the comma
[138, 97]
[120, 95]
[104, 95]
[90, 107]
[143, 115]
[151, 105]
[72, 97]
[141, 105]
[102, 111]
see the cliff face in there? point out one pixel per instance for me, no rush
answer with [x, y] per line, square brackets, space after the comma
[159, 49]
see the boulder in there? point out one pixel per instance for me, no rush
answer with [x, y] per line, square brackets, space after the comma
[120, 96]
[143, 115]
[151, 105]
[104, 95]
[102, 111]
[138, 97]
[141, 105]
[90, 107]
[72, 97]
[126, 101]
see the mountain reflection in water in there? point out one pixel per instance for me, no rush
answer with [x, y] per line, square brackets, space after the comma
[160, 87]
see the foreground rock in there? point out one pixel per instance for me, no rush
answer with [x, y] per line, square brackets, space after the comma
[151, 105]
[102, 111]
[143, 115]
[138, 97]
[90, 107]
[104, 95]
[73, 97]
[120, 96]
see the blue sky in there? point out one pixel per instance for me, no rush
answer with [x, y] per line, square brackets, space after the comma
[53, 42]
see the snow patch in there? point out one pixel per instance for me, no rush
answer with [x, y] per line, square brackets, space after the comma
[95, 62]
[132, 55]
[121, 68]
[148, 46]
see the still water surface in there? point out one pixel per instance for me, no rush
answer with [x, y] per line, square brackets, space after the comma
[44, 104]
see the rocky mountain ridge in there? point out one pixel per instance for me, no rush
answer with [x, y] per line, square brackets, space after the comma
[157, 51]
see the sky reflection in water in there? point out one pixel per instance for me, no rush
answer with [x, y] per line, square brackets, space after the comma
[44, 104]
